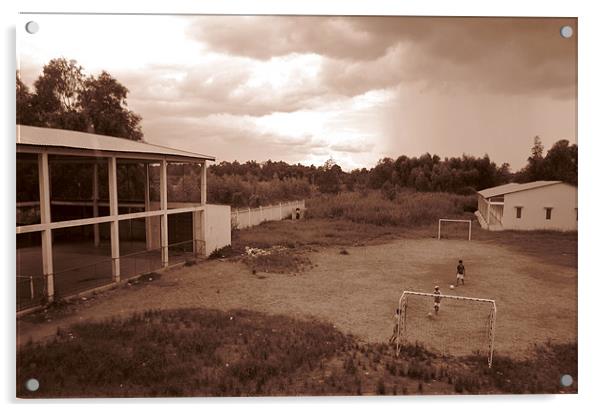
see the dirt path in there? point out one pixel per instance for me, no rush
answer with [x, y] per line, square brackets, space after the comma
[358, 292]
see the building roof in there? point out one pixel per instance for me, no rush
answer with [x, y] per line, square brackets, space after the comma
[45, 137]
[515, 187]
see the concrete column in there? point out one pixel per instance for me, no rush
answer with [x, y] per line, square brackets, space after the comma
[198, 235]
[147, 221]
[164, 231]
[44, 184]
[95, 204]
[204, 182]
[249, 216]
[114, 211]
[488, 212]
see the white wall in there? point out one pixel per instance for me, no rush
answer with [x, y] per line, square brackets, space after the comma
[562, 198]
[216, 227]
[244, 218]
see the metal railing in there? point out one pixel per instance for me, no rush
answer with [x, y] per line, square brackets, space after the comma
[140, 263]
[81, 278]
[32, 291]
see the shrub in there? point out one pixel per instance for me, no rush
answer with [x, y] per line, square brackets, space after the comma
[408, 209]
[223, 252]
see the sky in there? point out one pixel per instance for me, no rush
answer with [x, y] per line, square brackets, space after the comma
[309, 88]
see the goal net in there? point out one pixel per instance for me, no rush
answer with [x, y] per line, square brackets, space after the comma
[455, 227]
[462, 326]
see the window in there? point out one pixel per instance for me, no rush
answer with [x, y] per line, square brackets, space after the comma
[519, 212]
[548, 213]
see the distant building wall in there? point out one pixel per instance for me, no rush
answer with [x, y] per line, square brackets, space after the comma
[561, 198]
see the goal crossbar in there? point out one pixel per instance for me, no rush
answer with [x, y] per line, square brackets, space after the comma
[457, 221]
[407, 292]
[401, 321]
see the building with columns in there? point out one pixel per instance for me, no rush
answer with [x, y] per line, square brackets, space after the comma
[95, 210]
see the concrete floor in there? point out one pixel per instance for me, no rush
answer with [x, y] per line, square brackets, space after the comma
[82, 266]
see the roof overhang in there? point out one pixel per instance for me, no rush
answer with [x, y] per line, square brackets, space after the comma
[515, 187]
[32, 139]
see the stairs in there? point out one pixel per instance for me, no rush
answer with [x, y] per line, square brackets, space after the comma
[493, 226]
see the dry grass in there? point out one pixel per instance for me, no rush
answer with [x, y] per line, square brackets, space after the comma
[241, 353]
[550, 247]
[311, 232]
[408, 209]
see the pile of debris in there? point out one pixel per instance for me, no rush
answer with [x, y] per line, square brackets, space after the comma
[255, 251]
[276, 259]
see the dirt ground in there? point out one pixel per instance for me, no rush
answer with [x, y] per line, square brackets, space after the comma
[358, 292]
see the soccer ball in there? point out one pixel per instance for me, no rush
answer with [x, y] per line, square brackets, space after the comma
[452, 287]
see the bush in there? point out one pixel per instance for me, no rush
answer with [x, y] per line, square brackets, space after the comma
[223, 252]
[407, 209]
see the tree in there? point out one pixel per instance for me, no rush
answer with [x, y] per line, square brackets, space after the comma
[535, 168]
[560, 162]
[103, 102]
[25, 113]
[56, 97]
[328, 178]
[64, 98]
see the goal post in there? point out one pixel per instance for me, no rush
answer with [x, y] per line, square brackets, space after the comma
[462, 324]
[456, 221]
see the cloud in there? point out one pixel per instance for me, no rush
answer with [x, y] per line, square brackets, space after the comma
[306, 88]
[503, 55]
[264, 37]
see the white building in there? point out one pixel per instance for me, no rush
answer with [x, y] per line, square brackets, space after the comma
[541, 205]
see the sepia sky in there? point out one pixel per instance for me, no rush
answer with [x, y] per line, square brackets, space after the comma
[305, 89]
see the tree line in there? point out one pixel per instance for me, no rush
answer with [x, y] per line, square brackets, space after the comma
[64, 98]
[427, 173]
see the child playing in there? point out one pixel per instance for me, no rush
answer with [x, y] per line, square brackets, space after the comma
[393, 337]
[460, 272]
[437, 300]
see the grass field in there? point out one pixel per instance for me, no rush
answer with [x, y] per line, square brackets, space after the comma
[352, 279]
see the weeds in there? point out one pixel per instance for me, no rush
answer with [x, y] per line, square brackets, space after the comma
[406, 209]
[240, 353]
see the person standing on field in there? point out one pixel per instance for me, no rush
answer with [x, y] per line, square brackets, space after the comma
[437, 300]
[393, 337]
[460, 272]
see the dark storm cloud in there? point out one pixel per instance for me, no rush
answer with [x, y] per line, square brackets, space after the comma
[269, 36]
[503, 55]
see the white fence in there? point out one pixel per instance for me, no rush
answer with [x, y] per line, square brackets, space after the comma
[244, 218]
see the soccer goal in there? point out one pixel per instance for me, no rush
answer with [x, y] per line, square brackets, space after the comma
[455, 221]
[462, 326]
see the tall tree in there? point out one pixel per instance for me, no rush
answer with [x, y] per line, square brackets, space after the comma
[25, 113]
[64, 98]
[104, 104]
[56, 97]
[560, 162]
[329, 177]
